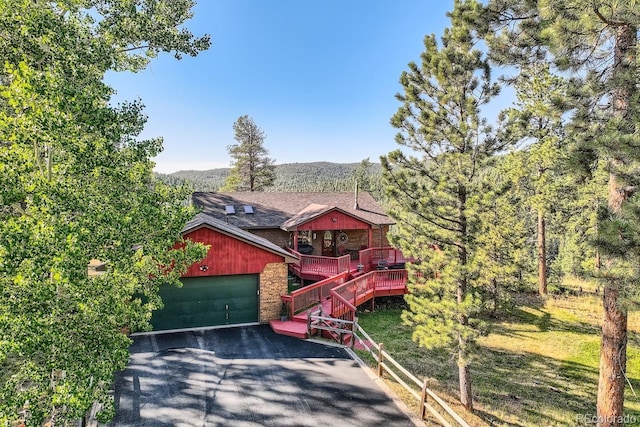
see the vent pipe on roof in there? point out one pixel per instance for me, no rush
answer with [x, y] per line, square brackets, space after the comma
[356, 207]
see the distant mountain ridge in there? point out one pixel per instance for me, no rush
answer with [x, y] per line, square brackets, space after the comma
[313, 176]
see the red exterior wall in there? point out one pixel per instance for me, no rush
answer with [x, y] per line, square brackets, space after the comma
[342, 222]
[228, 255]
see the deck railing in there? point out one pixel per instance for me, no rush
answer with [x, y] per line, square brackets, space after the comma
[362, 288]
[344, 263]
[386, 280]
[341, 307]
[353, 291]
[308, 296]
[322, 265]
[371, 257]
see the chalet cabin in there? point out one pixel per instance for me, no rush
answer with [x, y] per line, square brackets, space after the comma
[239, 281]
[323, 224]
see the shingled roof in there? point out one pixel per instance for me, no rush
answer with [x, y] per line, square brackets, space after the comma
[204, 220]
[307, 214]
[279, 210]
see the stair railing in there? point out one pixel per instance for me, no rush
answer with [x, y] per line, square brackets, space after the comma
[308, 296]
[339, 329]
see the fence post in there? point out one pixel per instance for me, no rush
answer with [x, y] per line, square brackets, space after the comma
[354, 329]
[380, 359]
[423, 400]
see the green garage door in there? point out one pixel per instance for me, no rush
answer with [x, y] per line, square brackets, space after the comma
[208, 301]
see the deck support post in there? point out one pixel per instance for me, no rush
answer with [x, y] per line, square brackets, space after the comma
[373, 304]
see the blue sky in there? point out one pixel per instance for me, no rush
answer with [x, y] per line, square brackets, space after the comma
[318, 77]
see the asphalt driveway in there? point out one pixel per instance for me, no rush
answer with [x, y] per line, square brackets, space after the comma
[247, 376]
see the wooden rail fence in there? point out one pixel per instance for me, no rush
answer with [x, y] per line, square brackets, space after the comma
[340, 329]
[387, 364]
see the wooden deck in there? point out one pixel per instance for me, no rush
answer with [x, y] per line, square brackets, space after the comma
[338, 297]
[342, 284]
[313, 267]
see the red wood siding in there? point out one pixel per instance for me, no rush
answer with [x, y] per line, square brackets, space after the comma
[228, 255]
[342, 222]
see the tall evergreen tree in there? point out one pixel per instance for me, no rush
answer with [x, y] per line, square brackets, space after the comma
[435, 197]
[75, 184]
[578, 256]
[502, 252]
[362, 175]
[538, 167]
[596, 42]
[366, 180]
[251, 169]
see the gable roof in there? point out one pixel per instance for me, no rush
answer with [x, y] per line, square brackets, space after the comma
[307, 214]
[276, 210]
[312, 211]
[204, 220]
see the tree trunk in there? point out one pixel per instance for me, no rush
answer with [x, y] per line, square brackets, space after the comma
[496, 296]
[463, 368]
[542, 255]
[465, 382]
[613, 348]
[613, 345]
[252, 175]
[613, 360]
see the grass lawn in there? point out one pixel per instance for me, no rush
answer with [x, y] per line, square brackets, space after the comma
[538, 366]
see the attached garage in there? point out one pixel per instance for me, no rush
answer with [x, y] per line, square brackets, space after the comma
[239, 281]
[209, 301]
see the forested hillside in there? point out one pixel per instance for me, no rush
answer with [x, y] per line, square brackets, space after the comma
[314, 176]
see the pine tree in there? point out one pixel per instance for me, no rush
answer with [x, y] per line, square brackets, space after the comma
[251, 169]
[502, 249]
[578, 256]
[595, 43]
[362, 175]
[536, 169]
[434, 197]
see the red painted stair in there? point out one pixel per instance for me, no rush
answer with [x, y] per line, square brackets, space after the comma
[292, 328]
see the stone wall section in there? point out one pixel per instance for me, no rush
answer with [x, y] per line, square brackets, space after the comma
[273, 284]
[379, 237]
[279, 237]
[357, 239]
